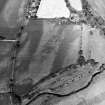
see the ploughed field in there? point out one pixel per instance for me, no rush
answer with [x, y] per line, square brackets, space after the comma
[44, 48]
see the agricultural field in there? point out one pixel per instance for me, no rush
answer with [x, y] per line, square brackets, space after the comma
[47, 70]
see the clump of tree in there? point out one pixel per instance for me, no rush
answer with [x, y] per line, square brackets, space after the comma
[32, 8]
